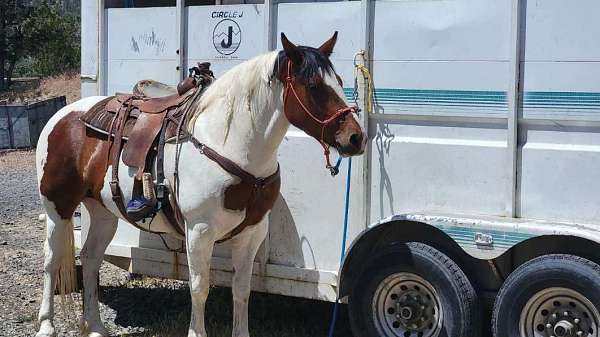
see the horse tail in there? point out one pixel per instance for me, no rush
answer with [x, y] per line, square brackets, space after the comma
[66, 282]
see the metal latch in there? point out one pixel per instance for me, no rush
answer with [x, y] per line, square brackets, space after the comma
[483, 240]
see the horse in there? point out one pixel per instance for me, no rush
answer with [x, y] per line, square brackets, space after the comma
[243, 117]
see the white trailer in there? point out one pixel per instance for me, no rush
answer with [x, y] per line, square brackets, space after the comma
[481, 171]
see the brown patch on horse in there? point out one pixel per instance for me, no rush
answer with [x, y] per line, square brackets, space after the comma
[75, 166]
[256, 202]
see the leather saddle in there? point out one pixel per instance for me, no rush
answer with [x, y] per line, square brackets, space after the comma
[144, 119]
[138, 126]
[146, 116]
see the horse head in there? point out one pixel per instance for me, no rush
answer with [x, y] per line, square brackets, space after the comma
[314, 100]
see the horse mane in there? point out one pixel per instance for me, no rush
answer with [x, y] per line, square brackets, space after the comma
[248, 85]
[245, 87]
[313, 63]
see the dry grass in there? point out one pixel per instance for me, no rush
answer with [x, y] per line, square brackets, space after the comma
[32, 90]
[66, 84]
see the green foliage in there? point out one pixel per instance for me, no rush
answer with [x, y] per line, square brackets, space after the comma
[52, 39]
[37, 40]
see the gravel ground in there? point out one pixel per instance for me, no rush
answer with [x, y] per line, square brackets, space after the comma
[129, 307]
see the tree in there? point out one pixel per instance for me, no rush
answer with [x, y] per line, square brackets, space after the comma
[12, 42]
[52, 39]
[39, 32]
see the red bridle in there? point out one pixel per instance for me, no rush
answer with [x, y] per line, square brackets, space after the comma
[289, 86]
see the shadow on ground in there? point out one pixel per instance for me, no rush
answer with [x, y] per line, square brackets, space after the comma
[165, 312]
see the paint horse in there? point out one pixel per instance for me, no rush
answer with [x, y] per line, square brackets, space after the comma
[243, 117]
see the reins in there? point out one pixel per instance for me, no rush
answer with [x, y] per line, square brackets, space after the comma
[289, 87]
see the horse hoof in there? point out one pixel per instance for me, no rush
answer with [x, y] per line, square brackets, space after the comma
[45, 334]
[97, 334]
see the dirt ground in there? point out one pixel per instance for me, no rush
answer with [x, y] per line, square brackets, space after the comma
[129, 306]
[32, 90]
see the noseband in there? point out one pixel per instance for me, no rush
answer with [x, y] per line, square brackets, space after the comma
[289, 87]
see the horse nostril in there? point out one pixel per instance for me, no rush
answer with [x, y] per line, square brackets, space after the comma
[356, 140]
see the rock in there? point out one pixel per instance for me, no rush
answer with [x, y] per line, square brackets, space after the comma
[42, 217]
[4, 243]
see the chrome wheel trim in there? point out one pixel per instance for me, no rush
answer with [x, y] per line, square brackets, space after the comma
[559, 312]
[405, 305]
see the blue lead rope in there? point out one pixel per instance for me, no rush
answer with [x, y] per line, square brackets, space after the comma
[344, 237]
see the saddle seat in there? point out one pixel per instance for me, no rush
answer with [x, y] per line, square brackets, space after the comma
[145, 118]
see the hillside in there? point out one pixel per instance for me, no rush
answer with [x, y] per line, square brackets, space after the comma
[32, 90]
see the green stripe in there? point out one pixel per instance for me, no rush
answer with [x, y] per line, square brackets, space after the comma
[466, 236]
[547, 100]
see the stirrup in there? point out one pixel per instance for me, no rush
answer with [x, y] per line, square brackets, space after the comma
[140, 208]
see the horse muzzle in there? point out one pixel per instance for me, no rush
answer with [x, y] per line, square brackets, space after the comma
[351, 143]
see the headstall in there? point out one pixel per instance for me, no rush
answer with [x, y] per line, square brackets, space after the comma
[289, 87]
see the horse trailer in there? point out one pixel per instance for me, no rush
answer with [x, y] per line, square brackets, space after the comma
[481, 170]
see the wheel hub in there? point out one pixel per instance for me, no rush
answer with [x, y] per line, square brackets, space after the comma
[559, 312]
[414, 311]
[407, 305]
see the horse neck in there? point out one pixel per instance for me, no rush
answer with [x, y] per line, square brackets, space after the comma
[247, 128]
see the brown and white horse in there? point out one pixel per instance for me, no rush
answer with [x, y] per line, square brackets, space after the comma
[244, 116]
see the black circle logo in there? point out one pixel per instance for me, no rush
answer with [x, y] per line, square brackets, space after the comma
[227, 36]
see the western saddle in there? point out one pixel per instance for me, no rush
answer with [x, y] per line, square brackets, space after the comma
[138, 125]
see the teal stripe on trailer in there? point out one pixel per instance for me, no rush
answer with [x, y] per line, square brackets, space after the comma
[441, 98]
[551, 101]
[349, 93]
[561, 102]
[466, 235]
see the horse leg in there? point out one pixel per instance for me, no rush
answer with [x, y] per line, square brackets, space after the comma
[102, 228]
[200, 242]
[56, 256]
[243, 251]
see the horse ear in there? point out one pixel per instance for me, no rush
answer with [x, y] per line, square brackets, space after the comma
[292, 52]
[327, 47]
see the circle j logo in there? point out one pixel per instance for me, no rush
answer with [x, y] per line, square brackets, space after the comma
[227, 37]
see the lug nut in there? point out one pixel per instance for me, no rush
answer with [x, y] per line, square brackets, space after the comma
[549, 326]
[576, 320]
[566, 313]
[579, 333]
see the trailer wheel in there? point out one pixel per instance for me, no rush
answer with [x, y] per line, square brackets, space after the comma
[552, 295]
[415, 291]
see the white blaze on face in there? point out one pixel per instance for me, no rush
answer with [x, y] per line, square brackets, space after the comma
[331, 80]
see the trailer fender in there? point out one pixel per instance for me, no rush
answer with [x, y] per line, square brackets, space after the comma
[379, 240]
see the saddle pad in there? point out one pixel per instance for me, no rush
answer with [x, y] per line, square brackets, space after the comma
[100, 117]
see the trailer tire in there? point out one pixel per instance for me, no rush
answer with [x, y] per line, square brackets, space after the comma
[414, 291]
[563, 285]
